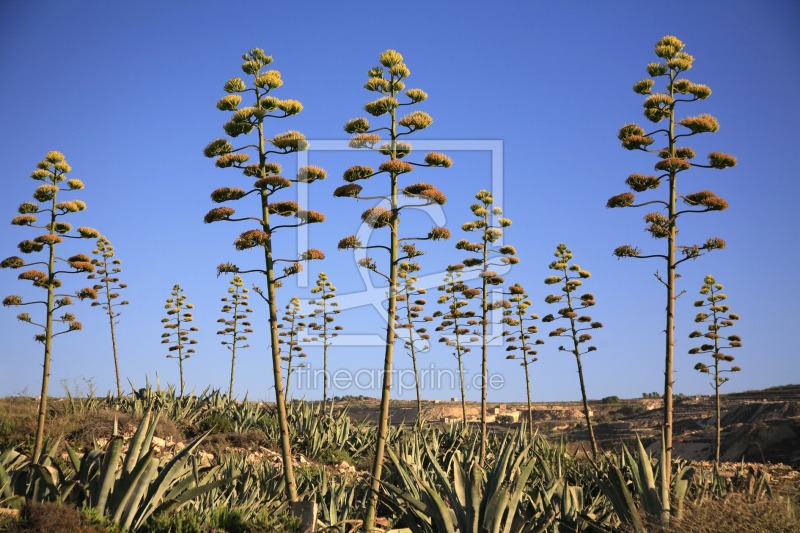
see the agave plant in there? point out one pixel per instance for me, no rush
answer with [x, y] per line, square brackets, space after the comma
[461, 496]
[644, 490]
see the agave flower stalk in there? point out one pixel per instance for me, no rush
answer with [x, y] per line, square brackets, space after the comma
[410, 306]
[454, 321]
[236, 326]
[522, 329]
[325, 310]
[108, 266]
[572, 276]
[717, 315]
[249, 119]
[179, 315]
[673, 159]
[290, 340]
[52, 171]
[387, 80]
[486, 254]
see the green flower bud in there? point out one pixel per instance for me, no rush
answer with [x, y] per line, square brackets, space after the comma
[357, 125]
[418, 120]
[229, 103]
[234, 85]
[643, 86]
[417, 95]
[656, 69]
[381, 106]
[271, 79]
[390, 58]
[291, 141]
[668, 46]
[290, 107]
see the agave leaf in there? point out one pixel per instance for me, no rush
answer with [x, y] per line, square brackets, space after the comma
[616, 490]
[108, 473]
[171, 471]
[443, 517]
[518, 490]
[73, 457]
[138, 492]
[135, 446]
[125, 487]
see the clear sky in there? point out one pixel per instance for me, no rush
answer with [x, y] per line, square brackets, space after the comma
[527, 98]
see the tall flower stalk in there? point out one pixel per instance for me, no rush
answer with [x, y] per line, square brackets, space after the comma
[674, 160]
[416, 339]
[250, 119]
[179, 315]
[486, 255]
[108, 267]
[289, 339]
[454, 321]
[717, 315]
[325, 310]
[52, 171]
[236, 327]
[518, 337]
[387, 81]
[577, 330]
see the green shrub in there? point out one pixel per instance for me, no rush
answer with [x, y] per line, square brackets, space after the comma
[217, 422]
[334, 456]
[610, 400]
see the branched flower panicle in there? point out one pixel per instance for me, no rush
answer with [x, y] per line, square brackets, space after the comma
[289, 339]
[673, 161]
[179, 315]
[717, 316]
[53, 171]
[107, 266]
[388, 80]
[235, 326]
[411, 322]
[518, 337]
[252, 105]
[454, 321]
[325, 310]
[570, 276]
[489, 254]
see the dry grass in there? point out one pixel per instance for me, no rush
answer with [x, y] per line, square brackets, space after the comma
[737, 513]
[18, 425]
[50, 518]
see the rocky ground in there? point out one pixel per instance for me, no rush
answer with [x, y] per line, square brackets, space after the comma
[758, 426]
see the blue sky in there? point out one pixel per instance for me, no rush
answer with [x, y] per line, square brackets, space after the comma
[527, 96]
